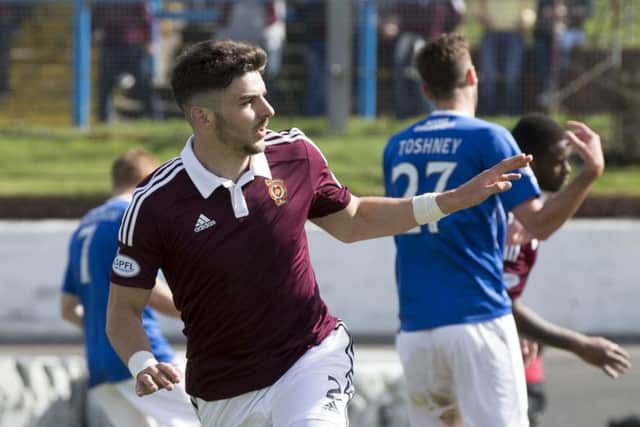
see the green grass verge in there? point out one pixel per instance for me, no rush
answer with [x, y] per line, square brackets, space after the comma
[54, 161]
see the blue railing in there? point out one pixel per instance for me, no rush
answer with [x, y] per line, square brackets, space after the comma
[81, 63]
[82, 50]
[367, 58]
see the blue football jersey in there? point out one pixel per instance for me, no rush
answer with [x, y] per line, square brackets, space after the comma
[450, 272]
[92, 248]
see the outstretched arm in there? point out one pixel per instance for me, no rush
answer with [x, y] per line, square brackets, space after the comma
[129, 340]
[596, 351]
[371, 217]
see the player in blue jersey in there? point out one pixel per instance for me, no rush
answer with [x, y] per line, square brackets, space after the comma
[458, 342]
[85, 291]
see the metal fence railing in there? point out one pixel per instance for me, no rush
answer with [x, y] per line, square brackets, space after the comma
[41, 62]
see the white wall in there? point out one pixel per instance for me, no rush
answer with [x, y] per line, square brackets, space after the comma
[586, 278]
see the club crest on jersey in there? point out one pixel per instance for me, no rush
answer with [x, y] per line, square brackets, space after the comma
[277, 191]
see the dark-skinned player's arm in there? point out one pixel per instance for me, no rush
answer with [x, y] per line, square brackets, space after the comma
[129, 340]
[596, 351]
[372, 217]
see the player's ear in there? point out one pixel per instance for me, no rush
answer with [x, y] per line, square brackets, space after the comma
[471, 77]
[200, 116]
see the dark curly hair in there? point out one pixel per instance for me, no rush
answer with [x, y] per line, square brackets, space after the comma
[535, 133]
[212, 65]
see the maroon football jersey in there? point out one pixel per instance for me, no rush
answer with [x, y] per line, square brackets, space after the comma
[235, 256]
[518, 262]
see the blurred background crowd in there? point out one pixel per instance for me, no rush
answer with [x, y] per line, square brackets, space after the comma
[558, 56]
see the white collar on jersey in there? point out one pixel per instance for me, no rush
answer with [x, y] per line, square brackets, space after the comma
[125, 197]
[207, 182]
[448, 113]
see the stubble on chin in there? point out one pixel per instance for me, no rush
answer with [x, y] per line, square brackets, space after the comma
[254, 148]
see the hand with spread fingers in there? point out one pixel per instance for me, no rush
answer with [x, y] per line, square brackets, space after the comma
[496, 179]
[607, 355]
[587, 145]
[154, 378]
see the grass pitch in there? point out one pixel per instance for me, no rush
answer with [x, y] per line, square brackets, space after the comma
[66, 161]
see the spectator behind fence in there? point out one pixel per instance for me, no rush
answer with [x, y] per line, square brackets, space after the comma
[547, 32]
[312, 13]
[573, 35]
[10, 18]
[501, 52]
[419, 21]
[123, 31]
[259, 22]
[92, 248]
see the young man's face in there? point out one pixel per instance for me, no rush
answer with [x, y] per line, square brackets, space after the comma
[242, 114]
[552, 168]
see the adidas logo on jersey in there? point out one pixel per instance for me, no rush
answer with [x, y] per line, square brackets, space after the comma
[331, 407]
[203, 223]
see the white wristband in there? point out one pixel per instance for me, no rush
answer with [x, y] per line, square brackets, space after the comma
[426, 209]
[140, 360]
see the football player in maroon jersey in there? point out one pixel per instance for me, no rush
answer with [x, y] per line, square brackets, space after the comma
[550, 145]
[225, 222]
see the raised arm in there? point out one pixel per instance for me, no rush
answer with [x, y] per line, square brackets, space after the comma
[371, 217]
[129, 340]
[596, 351]
[542, 220]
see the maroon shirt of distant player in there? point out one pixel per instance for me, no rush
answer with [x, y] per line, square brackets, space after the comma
[235, 256]
[518, 262]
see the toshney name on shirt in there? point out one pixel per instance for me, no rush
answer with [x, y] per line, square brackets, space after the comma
[443, 145]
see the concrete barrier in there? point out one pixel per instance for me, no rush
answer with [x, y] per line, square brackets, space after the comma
[586, 278]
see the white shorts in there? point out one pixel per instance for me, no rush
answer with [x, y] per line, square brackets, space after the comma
[163, 408]
[316, 389]
[469, 372]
